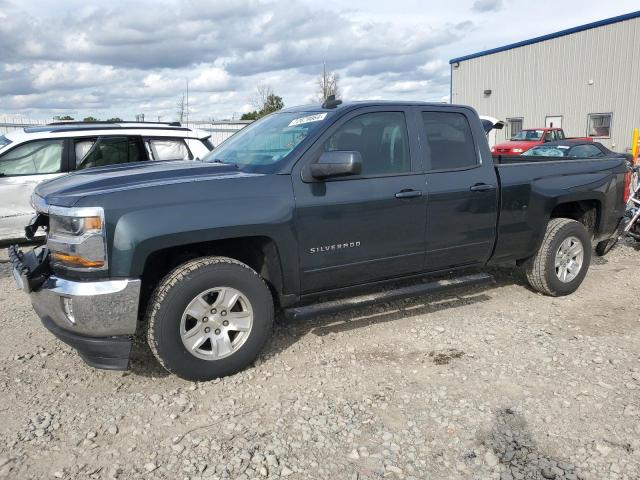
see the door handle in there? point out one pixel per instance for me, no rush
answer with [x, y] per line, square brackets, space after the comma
[482, 187]
[408, 193]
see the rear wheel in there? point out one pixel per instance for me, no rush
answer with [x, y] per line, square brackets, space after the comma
[209, 318]
[561, 263]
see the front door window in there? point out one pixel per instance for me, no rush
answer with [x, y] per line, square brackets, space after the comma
[33, 158]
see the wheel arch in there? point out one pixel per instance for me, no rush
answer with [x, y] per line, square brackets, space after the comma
[587, 211]
[261, 253]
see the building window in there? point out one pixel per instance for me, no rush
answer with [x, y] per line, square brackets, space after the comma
[599, 125]
[515, 126]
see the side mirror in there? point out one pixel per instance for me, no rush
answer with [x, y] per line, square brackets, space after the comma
[337, 164]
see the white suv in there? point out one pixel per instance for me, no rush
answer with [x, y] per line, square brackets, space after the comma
[34, 154]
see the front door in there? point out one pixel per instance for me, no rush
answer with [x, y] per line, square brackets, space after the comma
[367, 227]
[462, 192]
[21, 169]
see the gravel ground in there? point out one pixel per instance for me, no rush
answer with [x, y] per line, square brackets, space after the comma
[495, 382]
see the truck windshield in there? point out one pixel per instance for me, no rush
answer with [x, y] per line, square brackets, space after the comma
[531, 135]
[268, 141]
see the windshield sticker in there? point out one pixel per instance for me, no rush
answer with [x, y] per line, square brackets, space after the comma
[308, 119]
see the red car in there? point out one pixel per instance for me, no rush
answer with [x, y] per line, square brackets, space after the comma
[529, 138]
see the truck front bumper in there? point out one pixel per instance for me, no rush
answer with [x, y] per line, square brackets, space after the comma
[96, 318]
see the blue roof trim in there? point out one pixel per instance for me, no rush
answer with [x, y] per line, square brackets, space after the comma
[561, 33]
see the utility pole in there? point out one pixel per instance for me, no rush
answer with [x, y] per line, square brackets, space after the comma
[324, 81]
[187, 113]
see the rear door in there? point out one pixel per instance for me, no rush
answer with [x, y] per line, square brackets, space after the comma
[367, 227]
[89, 152]
[462, 200]
[21, 169]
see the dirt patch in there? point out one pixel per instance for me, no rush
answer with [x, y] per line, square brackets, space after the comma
[444, 357]
[496, 382]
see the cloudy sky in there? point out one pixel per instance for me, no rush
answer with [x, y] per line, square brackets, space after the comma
[119, 58]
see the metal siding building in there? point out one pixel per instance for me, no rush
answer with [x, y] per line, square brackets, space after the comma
[572, 74]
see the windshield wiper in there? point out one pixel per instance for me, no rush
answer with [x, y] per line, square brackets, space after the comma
[217, 160]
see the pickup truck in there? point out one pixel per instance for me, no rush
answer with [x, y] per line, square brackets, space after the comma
[531, 137]
[306, 204]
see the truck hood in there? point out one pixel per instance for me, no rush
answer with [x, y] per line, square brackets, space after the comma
[67, 190]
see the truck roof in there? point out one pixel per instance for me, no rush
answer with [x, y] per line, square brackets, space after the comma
[369, 103]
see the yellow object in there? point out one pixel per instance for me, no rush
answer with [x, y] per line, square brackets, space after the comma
[634, 146]
[93, 223]
[76, 260]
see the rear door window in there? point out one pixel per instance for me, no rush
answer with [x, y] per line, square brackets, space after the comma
[167, 149]
[102, 151]
[33, 158]
[448, 141]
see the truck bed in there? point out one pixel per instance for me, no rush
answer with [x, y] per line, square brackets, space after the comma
[531, 191]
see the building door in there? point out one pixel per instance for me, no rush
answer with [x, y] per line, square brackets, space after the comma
[553, 122]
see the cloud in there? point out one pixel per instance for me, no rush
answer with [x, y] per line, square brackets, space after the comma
[486, 5]
[126, 57]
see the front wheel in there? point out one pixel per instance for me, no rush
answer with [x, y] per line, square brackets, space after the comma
[561, 263]
[209, 318]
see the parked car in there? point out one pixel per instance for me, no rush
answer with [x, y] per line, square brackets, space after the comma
[305, 203]
[572, 148]
[34, 154]
[531, 137]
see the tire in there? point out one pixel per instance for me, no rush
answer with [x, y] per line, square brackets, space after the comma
[541, 268]
[182, 291]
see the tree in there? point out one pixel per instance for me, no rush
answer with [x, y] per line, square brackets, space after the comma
[181, 108]
[328, 85]
[115, 120]
[260, 98]
[89, 119]
[250, 115]
[264, 102]
[272, 104]
[65, 118]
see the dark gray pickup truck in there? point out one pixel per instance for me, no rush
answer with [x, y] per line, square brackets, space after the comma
[307, 201]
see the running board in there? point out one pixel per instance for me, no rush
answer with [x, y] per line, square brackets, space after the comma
[333, 306]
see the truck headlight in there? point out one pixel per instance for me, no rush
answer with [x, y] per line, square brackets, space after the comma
[76, 238]
[517, 150]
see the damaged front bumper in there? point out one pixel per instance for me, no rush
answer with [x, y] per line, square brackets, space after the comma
[97, 318]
